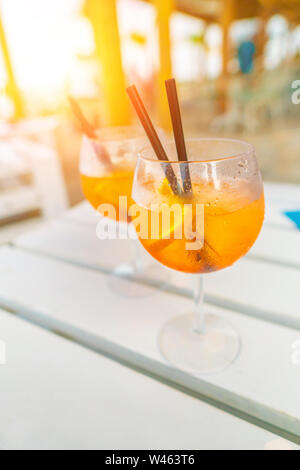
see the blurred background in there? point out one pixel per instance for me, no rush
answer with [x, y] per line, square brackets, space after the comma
[235, 62]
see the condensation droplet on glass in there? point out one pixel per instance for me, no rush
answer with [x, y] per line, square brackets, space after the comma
[243, 163]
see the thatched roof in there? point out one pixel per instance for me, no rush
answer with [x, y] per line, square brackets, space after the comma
[211, 10]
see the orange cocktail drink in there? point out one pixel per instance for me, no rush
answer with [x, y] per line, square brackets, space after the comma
[107, 168]
[232, 216]
[101, 190]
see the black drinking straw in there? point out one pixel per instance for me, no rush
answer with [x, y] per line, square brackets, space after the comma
[153, 137]
[87, 128]
[178, 134]
[90, 131]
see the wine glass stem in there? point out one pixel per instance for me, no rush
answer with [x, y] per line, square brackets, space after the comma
[138, 263]
[138, 260]
[199, 319]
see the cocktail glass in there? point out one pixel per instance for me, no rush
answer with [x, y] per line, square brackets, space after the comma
[208, 229]
[107, 166]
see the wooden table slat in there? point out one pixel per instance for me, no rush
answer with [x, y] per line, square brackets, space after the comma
[254, 287]
[79, 303]
[58, 395]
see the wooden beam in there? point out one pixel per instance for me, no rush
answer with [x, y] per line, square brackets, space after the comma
[265, 15]
[103, 17]
[12, 89]
[164, 11]
[228, 15]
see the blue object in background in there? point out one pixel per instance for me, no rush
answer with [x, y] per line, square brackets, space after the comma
[246, 51]
[294, 216]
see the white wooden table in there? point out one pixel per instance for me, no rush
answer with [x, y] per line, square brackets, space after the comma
[90, 375]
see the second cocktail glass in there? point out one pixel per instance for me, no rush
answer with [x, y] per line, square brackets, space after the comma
[107, 166]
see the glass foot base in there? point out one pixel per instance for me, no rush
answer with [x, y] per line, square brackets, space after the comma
[126, 281]
[198, 353]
